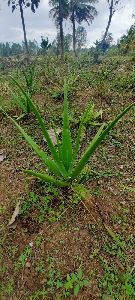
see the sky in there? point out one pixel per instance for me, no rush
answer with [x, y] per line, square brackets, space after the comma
[39, 24]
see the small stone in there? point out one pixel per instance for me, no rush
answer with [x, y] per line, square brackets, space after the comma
[31, 244]
[2, 155]
[28, 264]
[121, 167]
[112, 190]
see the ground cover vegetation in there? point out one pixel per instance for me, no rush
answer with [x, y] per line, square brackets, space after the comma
[67, 167]
[77, 240]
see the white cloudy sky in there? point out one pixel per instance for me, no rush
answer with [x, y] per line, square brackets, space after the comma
[40, 24]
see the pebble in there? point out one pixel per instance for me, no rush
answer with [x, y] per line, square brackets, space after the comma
[28, 264]
[31, 244]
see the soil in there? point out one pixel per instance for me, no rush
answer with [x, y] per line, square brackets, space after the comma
[83, 232]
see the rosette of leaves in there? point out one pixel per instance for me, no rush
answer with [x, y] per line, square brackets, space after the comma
[62, 165]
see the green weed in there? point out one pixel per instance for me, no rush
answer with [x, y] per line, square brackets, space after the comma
[40, 267]
[116, 284]
[38, 241]
[43, 205]
[92, 116]
[8, 289]
[27, 252]
[75, 282]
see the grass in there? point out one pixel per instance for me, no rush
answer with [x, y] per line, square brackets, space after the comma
[61, 232]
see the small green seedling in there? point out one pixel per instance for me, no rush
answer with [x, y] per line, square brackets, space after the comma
[75, 282]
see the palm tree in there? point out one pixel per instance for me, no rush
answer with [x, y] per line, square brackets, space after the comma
[81, 10]
[33, 4]
[113, 7]
[59, 12]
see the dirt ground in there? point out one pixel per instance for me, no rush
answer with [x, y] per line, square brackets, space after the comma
[60, 231]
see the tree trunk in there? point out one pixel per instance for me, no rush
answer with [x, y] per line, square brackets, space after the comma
[74, 34]
[24, 30]
[61, 29]
[109, 21]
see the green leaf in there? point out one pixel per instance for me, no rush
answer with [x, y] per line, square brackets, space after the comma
[26, 96]
[68, 277]
[20, 101]
[77, 142]
[46, 178]
[59, 284]
[80, 274]
[68, 285]
[52, 166]
[96, 142]
[66, 148]
[85, 282]
[73, 277]
[76, 289]
[45, 132]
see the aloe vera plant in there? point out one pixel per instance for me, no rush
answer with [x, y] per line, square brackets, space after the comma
[63, 162]
[21, 99]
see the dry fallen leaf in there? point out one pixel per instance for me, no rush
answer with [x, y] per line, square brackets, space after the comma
[53, 136]
[2, 155]
[15, 214]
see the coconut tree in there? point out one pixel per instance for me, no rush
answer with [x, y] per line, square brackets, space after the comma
[59, 12]
[113, 7]
[21, 4]
[81, 37]
[81, 11]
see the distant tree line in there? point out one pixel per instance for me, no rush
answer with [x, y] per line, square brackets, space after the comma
[125, 44]
[76, 12]
[11, 49]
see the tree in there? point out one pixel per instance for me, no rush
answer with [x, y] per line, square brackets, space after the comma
[5, 49]
[16, 49]
[45, 45]
[59, 12]
[104, 46]
[33, 47]
[67, 42]
[101, 47]
[127, 41]
[81, 10]
[33, 4]
[113, 7]
[81, 37]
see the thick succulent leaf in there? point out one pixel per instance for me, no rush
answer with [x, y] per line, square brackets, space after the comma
[52, 166]
[78, 138]
[96, 142]
[2, 155]
[66, 148]
[21, 102]
[49, 141]
[45, 132]
[46, 178]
